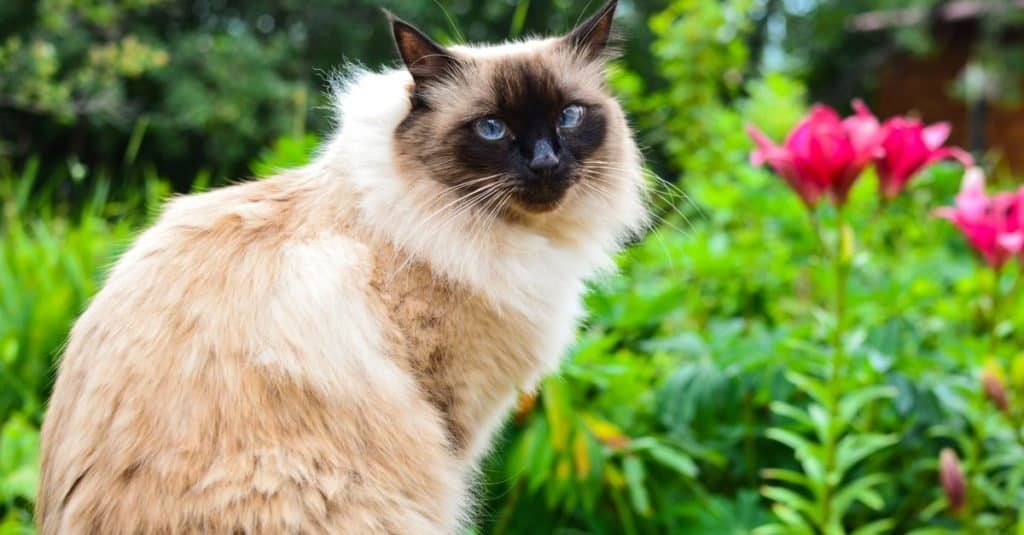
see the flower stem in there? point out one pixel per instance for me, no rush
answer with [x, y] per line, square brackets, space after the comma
[837, 366]
[973, 460]
[993, 320]
[840, 267]
[1014, 292]
[999, 301]
[816, 227]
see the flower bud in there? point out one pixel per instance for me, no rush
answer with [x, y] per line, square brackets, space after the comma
[995, 391]
[993, 382]
[952, 478]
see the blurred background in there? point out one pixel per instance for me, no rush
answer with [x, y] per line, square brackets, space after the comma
[660, 421]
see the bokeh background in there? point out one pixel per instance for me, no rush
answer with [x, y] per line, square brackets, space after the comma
[666, 416]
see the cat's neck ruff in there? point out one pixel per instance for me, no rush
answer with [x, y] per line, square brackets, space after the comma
[511, 264]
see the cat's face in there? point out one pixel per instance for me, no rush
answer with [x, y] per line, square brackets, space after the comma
[515, 126]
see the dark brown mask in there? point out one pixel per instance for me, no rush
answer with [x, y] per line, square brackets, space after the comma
[518, 124]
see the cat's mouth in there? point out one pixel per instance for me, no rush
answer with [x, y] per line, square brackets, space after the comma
[542, 195]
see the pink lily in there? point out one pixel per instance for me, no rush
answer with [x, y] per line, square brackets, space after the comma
[823, 154]
[909, 147]
[994, 225]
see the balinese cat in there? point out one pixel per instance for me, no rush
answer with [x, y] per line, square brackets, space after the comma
[330, 350]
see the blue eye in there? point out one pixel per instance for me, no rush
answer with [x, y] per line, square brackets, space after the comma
[572, 116]
[491, 129]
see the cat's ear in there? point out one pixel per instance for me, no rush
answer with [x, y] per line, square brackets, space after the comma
[590, 38]
[425, 59]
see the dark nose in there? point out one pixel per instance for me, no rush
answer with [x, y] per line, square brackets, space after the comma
[544, 157]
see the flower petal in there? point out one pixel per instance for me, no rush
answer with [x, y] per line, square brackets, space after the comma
[781, 160]
[1013, 242]
[972, 202]
[952, 153]
[935, 135]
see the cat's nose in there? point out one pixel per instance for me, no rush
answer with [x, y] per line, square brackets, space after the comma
[544, 157]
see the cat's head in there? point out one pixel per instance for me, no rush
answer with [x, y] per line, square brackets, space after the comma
[526, 128]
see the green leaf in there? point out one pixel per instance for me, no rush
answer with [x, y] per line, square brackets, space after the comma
[788, 498]
[633, 468]
[13, 525]
[19, 460]
[792, 412]
[788, 476]
[877, 527]
[811, 386]
[797, 443]
[794, 523]
[861, 490]
[771, 529]
[675, 460]
[853, 448]
[936, 507]
[853, 402]
[822, 422]
[808, 454]
[558, 410]
[20, 483]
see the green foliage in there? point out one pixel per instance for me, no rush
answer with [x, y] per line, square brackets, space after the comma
[49, 267]
[124, 87]
[71, 64]
[100, 76]
[19, 469]
[287, 153]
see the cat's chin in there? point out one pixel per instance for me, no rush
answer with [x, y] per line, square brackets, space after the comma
[537, 208]
[533, 202]
[542, 198]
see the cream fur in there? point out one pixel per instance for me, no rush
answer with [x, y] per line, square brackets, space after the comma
[319, 351]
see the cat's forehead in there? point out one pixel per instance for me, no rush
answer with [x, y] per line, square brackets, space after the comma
[502, 51]
[530, 73]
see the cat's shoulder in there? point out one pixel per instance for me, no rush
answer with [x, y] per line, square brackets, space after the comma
[257, 231]
[275, 208]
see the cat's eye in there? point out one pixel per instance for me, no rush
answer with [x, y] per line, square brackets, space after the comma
[491, 129]
[572, 116]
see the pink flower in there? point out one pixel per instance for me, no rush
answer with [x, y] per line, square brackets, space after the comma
[994, 226]
[908, 147]
[823, 154]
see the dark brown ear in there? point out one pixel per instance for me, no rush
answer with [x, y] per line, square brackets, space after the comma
[591, 37]
[425, 59]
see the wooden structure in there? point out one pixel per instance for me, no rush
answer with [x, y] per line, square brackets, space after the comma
[923, 86]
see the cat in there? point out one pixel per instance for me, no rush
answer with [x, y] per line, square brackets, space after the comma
[332, 349]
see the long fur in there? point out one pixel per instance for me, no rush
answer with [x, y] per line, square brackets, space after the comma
[328, 350]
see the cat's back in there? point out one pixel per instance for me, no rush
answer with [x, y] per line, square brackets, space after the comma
[218, 381]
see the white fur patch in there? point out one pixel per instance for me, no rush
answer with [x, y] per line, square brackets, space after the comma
[319, 305]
